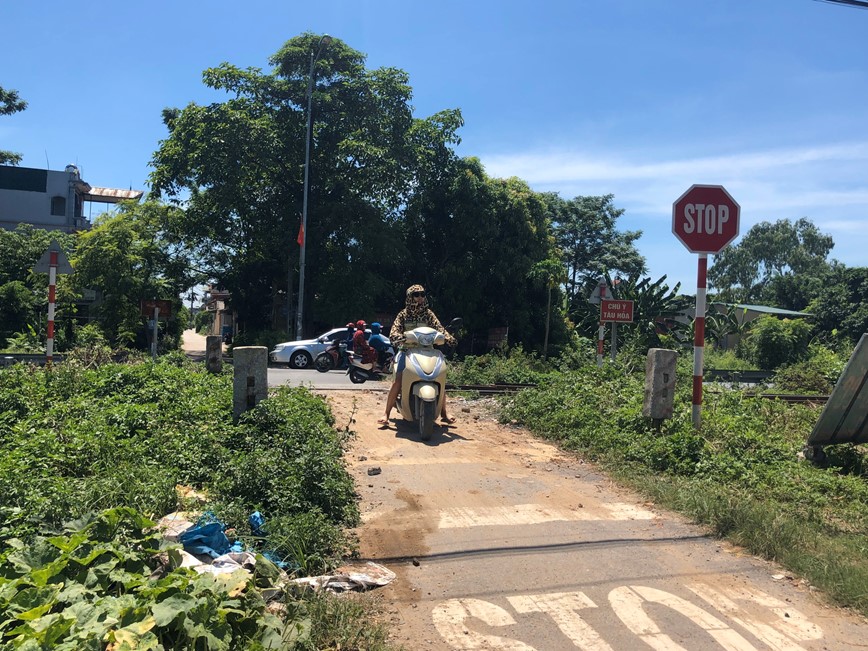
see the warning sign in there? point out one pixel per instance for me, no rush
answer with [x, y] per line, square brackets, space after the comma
[612, 311]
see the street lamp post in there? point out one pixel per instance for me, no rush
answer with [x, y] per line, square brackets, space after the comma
[323, 42]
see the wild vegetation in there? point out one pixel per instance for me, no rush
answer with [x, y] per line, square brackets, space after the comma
[91, 455]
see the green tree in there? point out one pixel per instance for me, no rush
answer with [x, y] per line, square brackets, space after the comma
[127, 258]
[23, 293]
[238, 165]
[719, 324]
[744, 272]
[473, 241]
[551, 274]
[10, 103]
[585, 231]
[840, 310]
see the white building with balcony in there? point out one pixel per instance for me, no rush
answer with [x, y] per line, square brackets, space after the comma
[51, 200]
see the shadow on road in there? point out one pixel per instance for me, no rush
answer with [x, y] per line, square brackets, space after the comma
[410, 431]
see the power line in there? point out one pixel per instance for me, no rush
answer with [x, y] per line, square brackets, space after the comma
[860, 4]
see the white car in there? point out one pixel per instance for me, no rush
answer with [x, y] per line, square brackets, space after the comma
[300, 354]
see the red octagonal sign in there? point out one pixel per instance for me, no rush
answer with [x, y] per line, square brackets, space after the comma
[705, 218]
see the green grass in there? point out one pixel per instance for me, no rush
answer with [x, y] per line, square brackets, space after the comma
[112, 442]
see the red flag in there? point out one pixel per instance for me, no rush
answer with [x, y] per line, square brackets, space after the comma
[300, 238]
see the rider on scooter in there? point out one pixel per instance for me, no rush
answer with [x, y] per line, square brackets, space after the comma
[416, 313]
[379, 342]
[361, 346]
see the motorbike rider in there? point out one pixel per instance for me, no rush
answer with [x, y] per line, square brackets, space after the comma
[379, 342]
[361, 346]
[351, 331]
[416, 313]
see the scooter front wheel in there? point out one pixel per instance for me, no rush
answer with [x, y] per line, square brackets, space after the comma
[426, 419]
[356, 377]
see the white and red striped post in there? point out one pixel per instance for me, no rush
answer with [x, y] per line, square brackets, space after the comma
[699, 338]
[52, 282]
[601, 335]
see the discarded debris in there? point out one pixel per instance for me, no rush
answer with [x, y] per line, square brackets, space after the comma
[350, 577]
[374, 470]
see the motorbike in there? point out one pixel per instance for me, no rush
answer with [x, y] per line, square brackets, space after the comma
[423, 382]
[360, 373]
[335, 357]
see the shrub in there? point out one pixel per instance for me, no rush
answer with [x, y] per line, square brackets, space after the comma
[816, 374]
[773, 342]
[509, 366]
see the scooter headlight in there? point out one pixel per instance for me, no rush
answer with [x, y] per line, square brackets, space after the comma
[427, 339]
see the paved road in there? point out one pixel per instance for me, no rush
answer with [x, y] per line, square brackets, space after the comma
[194, 345]
[331, 380]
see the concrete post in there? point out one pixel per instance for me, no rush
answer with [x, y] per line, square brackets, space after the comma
[659, 383]
[214, 353]
[250, 378]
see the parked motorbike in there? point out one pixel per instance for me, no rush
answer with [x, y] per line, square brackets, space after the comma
[334, 357]
[423, 382]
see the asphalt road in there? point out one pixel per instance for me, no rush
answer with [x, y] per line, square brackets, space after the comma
[278, 376]
[194, 345]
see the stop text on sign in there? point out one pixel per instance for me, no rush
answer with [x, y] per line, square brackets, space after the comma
[702, 218]
[612, 311]
[705, 218]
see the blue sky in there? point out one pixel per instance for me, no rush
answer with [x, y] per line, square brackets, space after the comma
[638, 98]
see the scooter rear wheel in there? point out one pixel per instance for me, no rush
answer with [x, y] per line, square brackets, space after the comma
[356, 377]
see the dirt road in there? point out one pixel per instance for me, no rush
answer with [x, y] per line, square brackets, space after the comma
[501, 541]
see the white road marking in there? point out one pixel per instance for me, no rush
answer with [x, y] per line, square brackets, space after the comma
[522, 514]
[780, 634]
[563, 608]
[450, 620]
[627, 602]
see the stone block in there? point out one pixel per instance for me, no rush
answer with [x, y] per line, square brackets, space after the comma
[659, 383]
[214, 353]
[250, 378]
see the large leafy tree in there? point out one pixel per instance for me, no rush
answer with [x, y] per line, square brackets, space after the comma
[752, 269]
[127, 258]
[10, 103]
[586, 233]
[238, 168]
[840, 310]
[474, 241]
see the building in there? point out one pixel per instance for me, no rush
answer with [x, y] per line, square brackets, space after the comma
[216, 302]
[50, 199]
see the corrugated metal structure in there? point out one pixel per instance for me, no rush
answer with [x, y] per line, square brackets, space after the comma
[845, 416]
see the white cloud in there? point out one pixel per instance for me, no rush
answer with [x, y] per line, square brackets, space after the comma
[826, 184]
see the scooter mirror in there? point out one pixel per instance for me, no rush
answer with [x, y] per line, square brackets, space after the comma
[456, 323]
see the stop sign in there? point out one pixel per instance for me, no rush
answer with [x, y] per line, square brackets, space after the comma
[705, 218]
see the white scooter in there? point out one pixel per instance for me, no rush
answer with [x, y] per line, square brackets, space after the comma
[423, 384]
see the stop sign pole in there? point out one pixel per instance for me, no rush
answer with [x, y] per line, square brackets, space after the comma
[705, 219]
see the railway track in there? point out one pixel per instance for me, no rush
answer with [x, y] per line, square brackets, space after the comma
[483, 389]
[494, 389]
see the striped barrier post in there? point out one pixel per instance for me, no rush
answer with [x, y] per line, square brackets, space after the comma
[52, 282]
[699, 338]
[601, 334]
